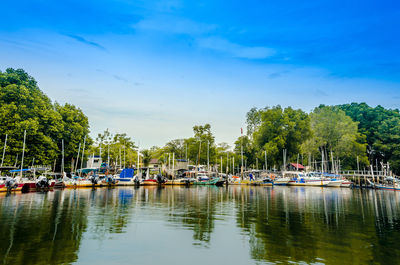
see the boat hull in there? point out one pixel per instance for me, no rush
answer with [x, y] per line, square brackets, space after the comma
[310, 183]
[3, 187]
[335, 183]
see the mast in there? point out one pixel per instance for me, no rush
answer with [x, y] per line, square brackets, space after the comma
[227, 163]
[266, 164]
[83, 152]
[173, 165]
[208, 156]
[77, 158]
[23, 153]
[198, 159]
[4, 150]
[120, 158]
[137, 167]
[62, 154]
[233, 165]
[221, 164]
[241, 151]
[124, 156]
[108, 155]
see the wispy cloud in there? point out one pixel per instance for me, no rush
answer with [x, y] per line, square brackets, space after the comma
[234, 49]
[277, 74]
[174, 25]
[117, 77]
[85, 41]
[320, 93]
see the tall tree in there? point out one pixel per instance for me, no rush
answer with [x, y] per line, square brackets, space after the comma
[381, 128]
[23, 106]
[281, 129]
[202, 142]
[335, 133]
[75, 126]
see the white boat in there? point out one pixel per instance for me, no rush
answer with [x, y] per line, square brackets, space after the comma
[346, 184]
[281, 181]
[335, 182]
[301, 179]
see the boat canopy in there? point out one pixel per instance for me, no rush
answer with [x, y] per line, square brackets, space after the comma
[127, 173]
[19, 170]
[87, 170]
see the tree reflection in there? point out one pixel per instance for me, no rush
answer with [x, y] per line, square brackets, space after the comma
[318, 225]
[45, 229]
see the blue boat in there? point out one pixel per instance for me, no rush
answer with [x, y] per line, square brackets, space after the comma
[126, 175]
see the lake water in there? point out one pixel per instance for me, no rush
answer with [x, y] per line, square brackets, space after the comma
[201, 225]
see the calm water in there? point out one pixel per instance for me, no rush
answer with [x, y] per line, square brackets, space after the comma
[201, 225]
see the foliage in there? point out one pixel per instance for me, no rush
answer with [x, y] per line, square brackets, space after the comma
[23, 106]
[281, 129]
[335, 133]
[202, 143]
[146, 157]
[382, 130]
[119, 149]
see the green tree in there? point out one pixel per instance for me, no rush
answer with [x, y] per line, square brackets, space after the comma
[381, 128]
[23, 106]
[75, 126]
[253, 120]
[202, 142]
[146, 157]
[281, 129]
[335, 133]
[177, 146]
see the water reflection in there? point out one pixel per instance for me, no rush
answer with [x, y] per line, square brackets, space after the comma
[258, 224]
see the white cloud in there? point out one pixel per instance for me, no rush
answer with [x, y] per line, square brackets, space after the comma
[235, 50]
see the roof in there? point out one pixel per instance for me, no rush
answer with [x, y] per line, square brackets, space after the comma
[154, 161]
[299, 166]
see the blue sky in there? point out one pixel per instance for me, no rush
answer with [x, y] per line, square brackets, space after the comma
[154, 69]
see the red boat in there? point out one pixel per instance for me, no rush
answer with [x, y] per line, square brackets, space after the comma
[30, 185]
[3, 187]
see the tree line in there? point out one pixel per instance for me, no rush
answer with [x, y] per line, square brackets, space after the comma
[340, 137]
[348, 135]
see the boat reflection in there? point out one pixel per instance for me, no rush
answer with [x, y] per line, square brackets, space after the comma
[272, 224]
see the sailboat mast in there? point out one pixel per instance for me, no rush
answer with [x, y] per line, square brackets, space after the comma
[83, 153]
[62, 160]
[4, 150]
[77, 158]
[108, 155]
[241, 151]
[23, 153]
[208, 156]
